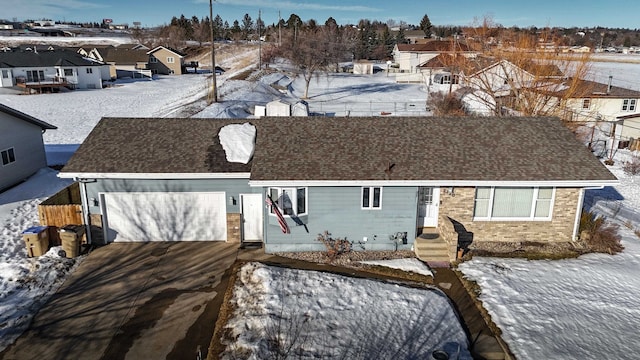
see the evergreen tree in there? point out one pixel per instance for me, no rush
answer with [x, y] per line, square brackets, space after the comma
[425, 25]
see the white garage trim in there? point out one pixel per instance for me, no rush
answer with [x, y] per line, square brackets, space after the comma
[164, 216]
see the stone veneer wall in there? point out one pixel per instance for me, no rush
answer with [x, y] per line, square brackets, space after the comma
[233, 227]
[559, 229]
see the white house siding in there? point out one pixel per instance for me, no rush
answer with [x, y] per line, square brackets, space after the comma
[92, 80]
[601, 109]
[26, 140]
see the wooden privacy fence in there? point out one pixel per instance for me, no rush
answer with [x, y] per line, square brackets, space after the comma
[63, 208]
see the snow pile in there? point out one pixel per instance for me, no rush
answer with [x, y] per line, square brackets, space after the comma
[322, 315]
[238, 142]
[410, 265]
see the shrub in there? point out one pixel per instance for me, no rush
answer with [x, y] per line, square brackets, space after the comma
[599, 235]
[335, 247]
[632, 167]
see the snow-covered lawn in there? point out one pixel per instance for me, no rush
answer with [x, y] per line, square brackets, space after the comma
[311, 315]
[547, 309]
[26, 283]
[584, 308]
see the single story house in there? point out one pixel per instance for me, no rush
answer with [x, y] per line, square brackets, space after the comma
[123, 61]
[21, 146]
[35, 69]
[363, 179]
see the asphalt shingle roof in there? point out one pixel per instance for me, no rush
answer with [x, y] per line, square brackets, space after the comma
[435, 45]
[43, 58]
[338, 148]
[138, 145]
[421, 148]
[26, 117]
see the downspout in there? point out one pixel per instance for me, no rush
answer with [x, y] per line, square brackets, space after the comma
[85, 208]
[576, 224]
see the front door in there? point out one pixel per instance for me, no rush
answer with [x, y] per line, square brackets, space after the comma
[428, 202]
[251, 207]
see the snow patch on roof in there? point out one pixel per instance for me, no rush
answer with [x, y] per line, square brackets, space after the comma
[238, 142]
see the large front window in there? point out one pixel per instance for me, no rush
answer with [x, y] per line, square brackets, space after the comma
[290, 201]
[511, 203]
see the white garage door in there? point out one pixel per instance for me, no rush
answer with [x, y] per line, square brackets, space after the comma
[165, 216]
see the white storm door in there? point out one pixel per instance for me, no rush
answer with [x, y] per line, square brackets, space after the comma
[252, 215]
[428, 204]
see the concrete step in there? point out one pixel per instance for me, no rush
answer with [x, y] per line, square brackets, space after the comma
[432, 254]
[430, 245]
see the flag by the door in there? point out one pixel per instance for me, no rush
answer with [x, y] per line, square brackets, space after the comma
[281, 220]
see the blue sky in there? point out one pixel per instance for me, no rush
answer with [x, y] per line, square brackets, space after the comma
[567, 13]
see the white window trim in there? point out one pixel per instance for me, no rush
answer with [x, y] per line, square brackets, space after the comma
[531, 217]
[171, 60]
[629, 105]
[370, 207]
[294, 200]
[586, 104]
[7, 151]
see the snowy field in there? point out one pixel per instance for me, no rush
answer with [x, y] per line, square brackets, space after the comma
[578, 308]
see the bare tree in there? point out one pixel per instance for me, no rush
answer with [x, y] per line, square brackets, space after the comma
[525, 77]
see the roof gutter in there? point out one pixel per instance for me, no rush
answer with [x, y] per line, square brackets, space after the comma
[435, 183]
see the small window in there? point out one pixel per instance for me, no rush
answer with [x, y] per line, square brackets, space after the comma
[586, 103]
[171, 59]
[153, 60]
[89, 71]
[371, 198]
[68, 72]
[629, 105]
[8, 156]
[5, 74]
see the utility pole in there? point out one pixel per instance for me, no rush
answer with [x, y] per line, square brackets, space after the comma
[214, 87]
[259, 41]
[279, 29]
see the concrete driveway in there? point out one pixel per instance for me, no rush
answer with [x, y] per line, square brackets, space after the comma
[133, 301]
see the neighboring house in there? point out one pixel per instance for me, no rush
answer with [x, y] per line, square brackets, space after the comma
[127, 61]
[595, 102]
[51, 68]
[363, 179]
[409, 57]
[167, 61]
[500, 77]
[628, 128]
[21, 146]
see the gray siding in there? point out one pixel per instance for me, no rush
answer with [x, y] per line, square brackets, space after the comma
[338, 210]
[26, 140]
[232, 187]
